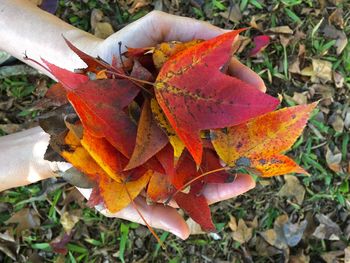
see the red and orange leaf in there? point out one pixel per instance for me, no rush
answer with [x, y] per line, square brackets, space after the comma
[100, 105]
[186, 170]
[107, 157]
[140, 72]
[150, 139]
[195, 95]
[57, 94]
[69, 80]
[75, 153]
[196, 206]
[116, 195]
[258, 143]
[277, 164]
[159, 187]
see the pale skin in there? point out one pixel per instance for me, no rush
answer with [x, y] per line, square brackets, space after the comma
[39, 34]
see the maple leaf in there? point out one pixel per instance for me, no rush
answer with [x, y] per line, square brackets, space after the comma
[195, 95]
[100, 105]
[259, 143]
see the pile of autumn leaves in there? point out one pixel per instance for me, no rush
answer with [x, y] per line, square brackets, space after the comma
[169, 115]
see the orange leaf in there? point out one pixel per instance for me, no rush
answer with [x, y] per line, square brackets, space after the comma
[159, 187]
[74, 153]
[115, 195]
[150, 139]
[108, 158]
[258, 143]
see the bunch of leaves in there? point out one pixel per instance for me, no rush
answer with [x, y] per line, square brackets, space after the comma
[165, 122]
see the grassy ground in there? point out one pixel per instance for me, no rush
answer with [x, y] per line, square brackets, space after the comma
[285, 219]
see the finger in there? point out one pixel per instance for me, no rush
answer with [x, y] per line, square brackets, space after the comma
[218, 192]
[157, 27]
[242, 72]
[157, 215]
[166, 27]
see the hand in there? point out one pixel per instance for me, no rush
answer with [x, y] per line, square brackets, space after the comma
[150, 30]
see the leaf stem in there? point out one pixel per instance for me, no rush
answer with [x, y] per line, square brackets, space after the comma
[160, 242]
[131, 78]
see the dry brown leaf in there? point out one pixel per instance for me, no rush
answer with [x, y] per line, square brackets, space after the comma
[333, 159]
[292, 188]
[103, 30]
[243, 43]
[300, 258]
[69, 219]
[96, 17]
[331, 32]
[233, 223]
[25, 218]
[281, 30]
[322, 69]
[338, 79]
[285, 40]
[326, 92]
[337, 122]
[333, 256]
[195, 228]
[300, 98]
[336, 18]
[327, 229]
[255, 25]
[284, 233]
[137, 4]
[294, 67]
[243, 233]
[347, 119]
[233, 15]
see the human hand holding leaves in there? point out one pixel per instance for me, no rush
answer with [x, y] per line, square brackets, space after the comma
[116, 113]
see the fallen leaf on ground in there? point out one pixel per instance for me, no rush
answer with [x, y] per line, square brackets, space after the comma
[281, 30]
[292, 188]
[333, 159]
[243, 233]
[25, 219]
[69, 219]
[284, 234]
[327, 229]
